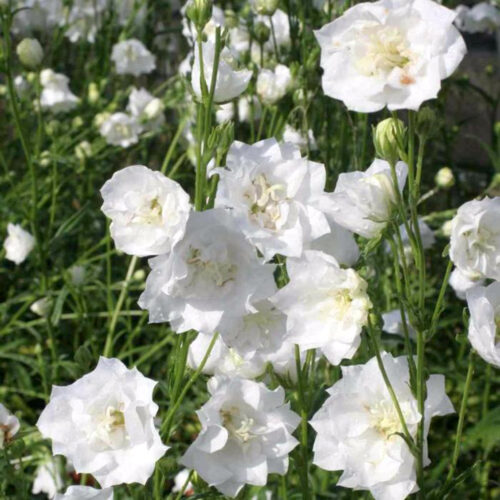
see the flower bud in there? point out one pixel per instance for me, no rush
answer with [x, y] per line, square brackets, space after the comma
[496, 129]
[444, 179]
[93, 93]
[42, 307]
[83, 150]
[446, 228]
[426, 120]
[77, 122]
[30, 53]
[45, 159]
[265, 7]
[388, 136]
[199, 12]
[154, 109]
[100, 118]
[261, 33]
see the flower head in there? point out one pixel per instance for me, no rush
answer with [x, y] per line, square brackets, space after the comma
[149, 211]
[273, 85]
[246, 435]
[484, 324]
[103, 423]
[357, 428]
[275, 195]
[390, 53]
[56, 94]
[212, 274]
[475, 239]
[131, 57]
[120, 129]
[18, 243]
[326, 306]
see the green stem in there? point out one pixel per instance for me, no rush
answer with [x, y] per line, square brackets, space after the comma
[461, 418]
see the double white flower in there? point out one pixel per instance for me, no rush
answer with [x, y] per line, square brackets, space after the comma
[357, 428]
[56, 94]
[326, 306]
[363, 201]
[149, 211]
[246, 435]
[390, 53]
[212, 275]
[131, 57]
[103, 423]
[484, 324]
[18, 244]
[475, 239]
[275, 196]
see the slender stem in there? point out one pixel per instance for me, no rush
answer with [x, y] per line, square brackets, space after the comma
[108, 347]
[461, 418]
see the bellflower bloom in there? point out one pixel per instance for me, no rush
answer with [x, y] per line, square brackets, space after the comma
[230, 82]
[56, 95]
[481, 18]
[484, 324]
[246, 435]
[357, 428]
[9, 425]
[120, 129]
[212, 275]
[85, 493]
[83, 20]
[281, 25]
[326, 306]
[363, 201]
[147, 109]
[462, 283]
[393, 324]
[272, 85]
[475, 239]
[131, 57]
[390, 53]
[48, 479]
[18, 244]
[275, 196]
[149, 211]
[103, 423]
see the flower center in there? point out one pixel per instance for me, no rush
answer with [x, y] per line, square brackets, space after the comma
[239, 425]
[110, 428]
[217, 273]
[386, 49]
[265, 201]
[150, 212]
[123, 130]
[385, 419]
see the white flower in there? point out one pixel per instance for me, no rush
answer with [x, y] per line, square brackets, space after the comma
[148, 210]
[326, 306]
[249, 109]
[37, 15]
[146, 108]
[363, 201]
[179, 482]
[281, 25]
[18, 243]
[83, 20]
[246, 435]
[212, 274]
[218, 19]
[275, 196]
[9, 425]
[357, 425]
[292, 135]
[461, 283]
[273, 85]
[339, 243]
[85, 493]
[475, 239]
[393, 324]
[22, 86]
[484, 325]
[103, 423]
[56, 95]
[131, 57]
[48, 479]
[481, 18]
[230, 82]
[120, 129]
[390, 53]
[42, 307]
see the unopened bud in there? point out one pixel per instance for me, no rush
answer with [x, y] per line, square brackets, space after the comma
[77, 122]
[496, 129]
[30, 53]
[93, 93]
[261, 32]
[42, 307]
[265, 7]
[154, 109]
[100, 118]
[446, 228]
[83, 150]
[199, 12]
[388, 137]
[45, 159]
[444, 179]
